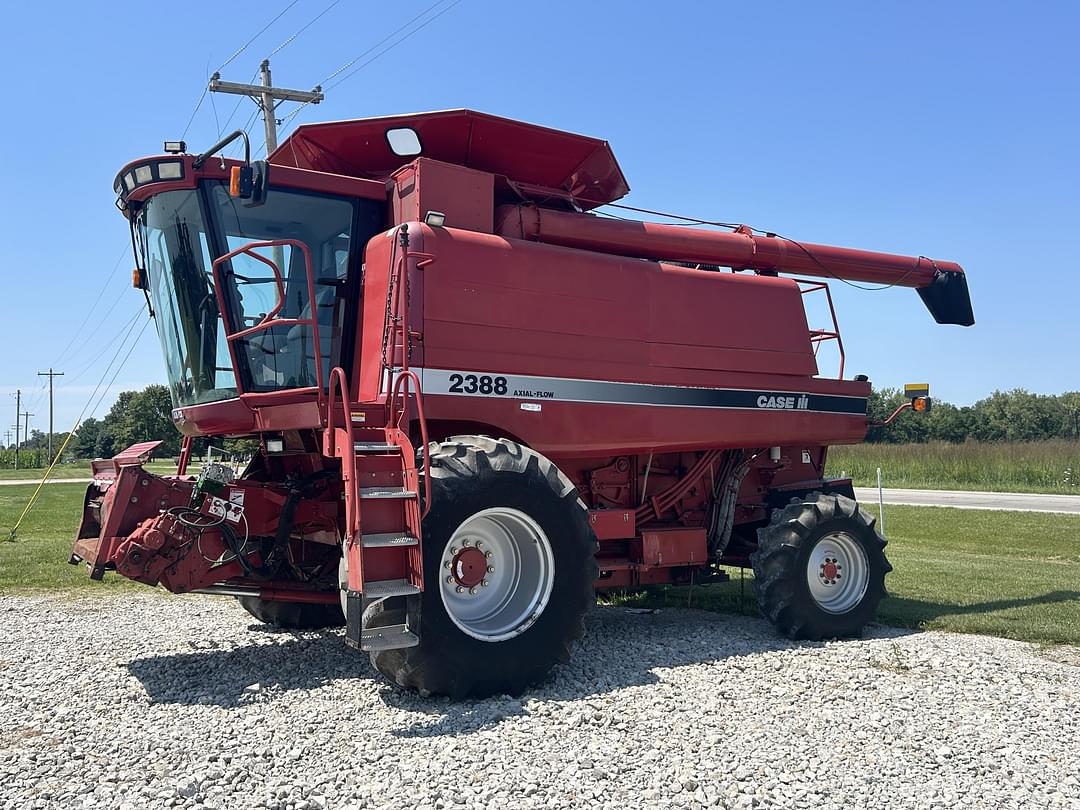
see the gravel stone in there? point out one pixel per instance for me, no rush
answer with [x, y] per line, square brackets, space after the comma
[142, 701]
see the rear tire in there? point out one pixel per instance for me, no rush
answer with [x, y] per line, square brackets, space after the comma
[819, 568]
[503, 636]
[293, 615]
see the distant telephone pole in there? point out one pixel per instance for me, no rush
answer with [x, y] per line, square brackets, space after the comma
[26, 426]
[50, 374]
[18, 407]
[267, 97]
[7, 438]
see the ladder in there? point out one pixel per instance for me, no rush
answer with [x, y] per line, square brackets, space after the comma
[382, 544]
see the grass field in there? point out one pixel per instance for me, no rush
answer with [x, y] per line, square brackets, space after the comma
[1006, 467]
[1012, 574]
[78, 469]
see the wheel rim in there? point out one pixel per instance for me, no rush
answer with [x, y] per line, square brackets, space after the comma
[838, 573]
[496, 573]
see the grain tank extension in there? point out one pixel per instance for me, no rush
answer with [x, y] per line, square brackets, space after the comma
[477, 400]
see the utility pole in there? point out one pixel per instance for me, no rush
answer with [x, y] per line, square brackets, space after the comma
[26, 426]
[267, 97]
[50, 374]
[18, 407]
[7, 438]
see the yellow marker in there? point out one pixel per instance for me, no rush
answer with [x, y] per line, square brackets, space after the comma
[912, 390]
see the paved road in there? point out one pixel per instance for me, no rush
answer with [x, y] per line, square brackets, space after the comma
[24, 481]
[1008, 501]
[1002, 501]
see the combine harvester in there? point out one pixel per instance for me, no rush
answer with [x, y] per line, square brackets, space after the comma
[477, 403]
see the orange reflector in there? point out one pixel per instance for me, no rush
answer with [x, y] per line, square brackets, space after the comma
[921, 404]
[234, 181]
[136, 279]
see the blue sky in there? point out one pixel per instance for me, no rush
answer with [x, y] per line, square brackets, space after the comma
[948, 130]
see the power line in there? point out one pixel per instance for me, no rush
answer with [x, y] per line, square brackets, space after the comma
[262, 30]
[206, 88]
[90, 311]
[74, 428]
[378, 44]
[105, 348]
[308, 25]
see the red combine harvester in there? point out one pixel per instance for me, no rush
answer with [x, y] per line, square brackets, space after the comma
[477, 402]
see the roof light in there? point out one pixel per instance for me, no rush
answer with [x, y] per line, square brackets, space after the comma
[170, 170]
[143, 174]
[129, 181]
[434, 219]
[175, 147]
[403, 141]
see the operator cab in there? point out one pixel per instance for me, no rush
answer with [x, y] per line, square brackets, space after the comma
[185, 219]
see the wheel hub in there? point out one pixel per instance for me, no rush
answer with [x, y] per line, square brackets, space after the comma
[468, 567]
[498, 570]
[838, 572]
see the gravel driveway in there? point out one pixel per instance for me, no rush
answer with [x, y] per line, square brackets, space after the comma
[143, 701]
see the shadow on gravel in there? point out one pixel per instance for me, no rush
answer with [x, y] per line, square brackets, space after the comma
[228, 677]
[621, 649]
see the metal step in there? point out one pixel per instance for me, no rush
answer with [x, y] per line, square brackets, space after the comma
[388, 540]
[385, 588]
[391, 637]
[386, 492]
[374, 447]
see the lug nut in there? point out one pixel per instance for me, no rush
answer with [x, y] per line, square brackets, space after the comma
[491, 569]
[459, 589]
[447, 564]
[472, 591]
[483, 583]
[465, 543]
[488, 554]
[453, 550]
[449, 580]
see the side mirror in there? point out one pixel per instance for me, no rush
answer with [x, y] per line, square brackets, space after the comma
[250, 182]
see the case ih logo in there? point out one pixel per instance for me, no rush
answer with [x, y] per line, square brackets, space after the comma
[793, 403]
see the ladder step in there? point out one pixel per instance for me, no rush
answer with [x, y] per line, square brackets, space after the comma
[391, 637]
[386, 492]
[388, 540]
[385, 588]
[375, 447]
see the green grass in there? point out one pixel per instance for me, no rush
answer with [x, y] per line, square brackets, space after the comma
[1011, 574]
[1052, 466]
[38, 559]
[77, 469]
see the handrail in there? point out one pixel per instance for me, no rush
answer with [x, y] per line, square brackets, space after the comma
[270, 319]
[819, 336]
[348, 459]
[406, 375]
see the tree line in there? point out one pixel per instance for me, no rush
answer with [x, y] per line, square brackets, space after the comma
[1004, 416]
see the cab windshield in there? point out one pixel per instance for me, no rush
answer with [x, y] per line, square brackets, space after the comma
[179, 231]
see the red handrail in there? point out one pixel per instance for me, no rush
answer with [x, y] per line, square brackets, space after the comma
[406, 376]
[348, 458]
[818, 336]
[270, 319]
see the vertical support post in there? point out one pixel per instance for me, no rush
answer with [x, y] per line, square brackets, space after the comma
[269, 121]
[50, 374]
[18, 409]
[881, 503]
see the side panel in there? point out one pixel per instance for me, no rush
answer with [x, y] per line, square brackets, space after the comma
[581, 354]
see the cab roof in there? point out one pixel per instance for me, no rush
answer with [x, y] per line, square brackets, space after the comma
[525, 154]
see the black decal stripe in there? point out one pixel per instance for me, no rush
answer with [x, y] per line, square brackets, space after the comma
[562, 389]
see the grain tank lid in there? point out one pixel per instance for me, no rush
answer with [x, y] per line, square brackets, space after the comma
[526, 154]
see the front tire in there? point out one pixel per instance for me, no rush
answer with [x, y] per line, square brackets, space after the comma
[503, 515]
[819, 568]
